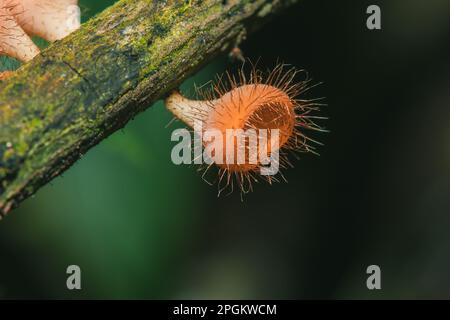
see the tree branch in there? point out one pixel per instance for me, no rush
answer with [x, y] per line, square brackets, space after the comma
[85, 87]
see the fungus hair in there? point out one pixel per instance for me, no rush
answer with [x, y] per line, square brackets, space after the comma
[261, 102]
[20, 19]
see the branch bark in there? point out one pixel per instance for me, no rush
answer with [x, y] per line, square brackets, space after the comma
[90, 84]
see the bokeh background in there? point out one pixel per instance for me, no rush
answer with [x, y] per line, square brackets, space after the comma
[141, 227]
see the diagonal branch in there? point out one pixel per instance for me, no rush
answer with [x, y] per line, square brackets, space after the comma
[85, 87]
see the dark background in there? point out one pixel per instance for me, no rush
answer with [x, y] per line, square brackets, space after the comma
[141, 227]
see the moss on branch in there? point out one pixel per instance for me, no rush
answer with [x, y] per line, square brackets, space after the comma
[83, 88]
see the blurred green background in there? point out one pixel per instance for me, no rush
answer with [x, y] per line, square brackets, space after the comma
[141, 227]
